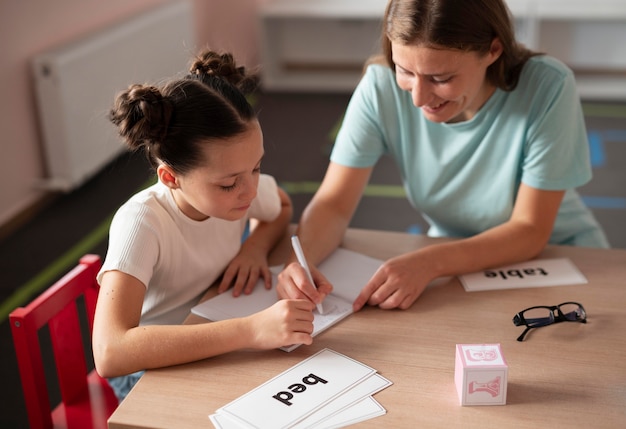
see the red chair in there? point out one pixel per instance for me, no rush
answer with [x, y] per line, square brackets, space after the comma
[87, 400]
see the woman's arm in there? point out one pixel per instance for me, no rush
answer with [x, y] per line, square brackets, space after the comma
[400, 280]
[121, 346]
[321, 229]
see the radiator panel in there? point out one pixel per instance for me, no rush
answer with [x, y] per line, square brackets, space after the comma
[75, 85]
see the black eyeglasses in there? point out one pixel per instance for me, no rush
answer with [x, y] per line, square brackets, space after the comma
[536, 317]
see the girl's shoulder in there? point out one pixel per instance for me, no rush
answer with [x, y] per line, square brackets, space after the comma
[151, 202]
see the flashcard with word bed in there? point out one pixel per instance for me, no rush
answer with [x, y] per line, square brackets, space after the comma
[325, 390]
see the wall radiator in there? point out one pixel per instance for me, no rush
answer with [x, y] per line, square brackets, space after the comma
[75, 86]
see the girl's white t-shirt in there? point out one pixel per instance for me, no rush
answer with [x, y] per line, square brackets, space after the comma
[175, 257]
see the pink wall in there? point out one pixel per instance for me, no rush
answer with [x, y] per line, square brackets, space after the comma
[232, 26]
[29, 27]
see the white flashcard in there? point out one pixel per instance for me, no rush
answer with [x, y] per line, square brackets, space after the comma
[367, 408]
[224, 421]
[344, 404]
[533, 273]
[298, 392]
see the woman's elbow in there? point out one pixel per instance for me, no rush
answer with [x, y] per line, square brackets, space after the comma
[538, 240]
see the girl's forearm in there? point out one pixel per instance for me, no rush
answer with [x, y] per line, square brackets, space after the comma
[156, 346]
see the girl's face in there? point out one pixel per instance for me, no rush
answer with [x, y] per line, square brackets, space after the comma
[226, 184]
[448, 85]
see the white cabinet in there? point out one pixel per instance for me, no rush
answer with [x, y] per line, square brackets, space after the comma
[588, 35]
[321, 45]
[318, 44]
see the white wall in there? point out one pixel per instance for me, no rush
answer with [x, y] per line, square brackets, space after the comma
[32, 26]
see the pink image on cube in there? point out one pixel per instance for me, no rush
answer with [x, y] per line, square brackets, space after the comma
[480, 374]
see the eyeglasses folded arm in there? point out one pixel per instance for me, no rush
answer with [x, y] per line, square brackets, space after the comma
[536, 317]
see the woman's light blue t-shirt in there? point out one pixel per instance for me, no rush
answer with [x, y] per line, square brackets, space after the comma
[464, 177]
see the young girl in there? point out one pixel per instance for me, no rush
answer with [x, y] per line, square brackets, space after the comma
[170, 242]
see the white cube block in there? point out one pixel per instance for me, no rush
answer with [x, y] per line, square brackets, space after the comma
[480, 374]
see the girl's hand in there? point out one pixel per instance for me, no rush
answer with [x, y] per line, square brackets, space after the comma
[396, 284]
[294, 283]
[287, 322]
[244, 271]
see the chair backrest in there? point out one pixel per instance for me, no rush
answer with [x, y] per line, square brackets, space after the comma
[87, 400]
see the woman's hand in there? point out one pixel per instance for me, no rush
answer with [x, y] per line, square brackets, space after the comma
[294, 283]
[396, 284]
[287, 322]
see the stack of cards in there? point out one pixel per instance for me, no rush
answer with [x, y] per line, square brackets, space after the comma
[327, 390]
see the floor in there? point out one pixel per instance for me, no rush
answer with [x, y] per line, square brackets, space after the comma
[298, 130]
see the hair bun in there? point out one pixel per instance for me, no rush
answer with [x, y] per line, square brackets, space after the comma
[142, 115]
[210, 63]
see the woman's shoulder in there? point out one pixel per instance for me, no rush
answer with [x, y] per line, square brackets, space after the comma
[378, 73]
[378, 88]
[378, 79]
[541, 67]
[543, 78]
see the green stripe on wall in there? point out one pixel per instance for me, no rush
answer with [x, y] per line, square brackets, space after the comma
[55, 270]
[604, 110]
[386, 191]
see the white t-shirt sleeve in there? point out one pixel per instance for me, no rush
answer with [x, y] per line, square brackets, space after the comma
[556, 150]
[133, 242]
[266, 206]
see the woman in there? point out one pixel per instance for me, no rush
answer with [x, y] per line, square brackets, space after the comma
[170, 242]
[489, 138]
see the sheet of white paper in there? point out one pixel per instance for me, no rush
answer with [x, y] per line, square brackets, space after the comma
[348, 271]
[296, 393]
[533, 273]
[343, 404]
[367, 408]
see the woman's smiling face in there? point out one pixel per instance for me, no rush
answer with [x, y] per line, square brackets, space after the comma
[448, 85]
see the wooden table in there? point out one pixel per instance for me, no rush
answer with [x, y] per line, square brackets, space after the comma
[564, 375]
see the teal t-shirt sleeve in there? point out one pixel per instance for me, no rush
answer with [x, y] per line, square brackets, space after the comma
[360, 141]
[557, 151]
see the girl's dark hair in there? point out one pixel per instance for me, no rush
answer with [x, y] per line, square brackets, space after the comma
[172, 122]
[466, 25]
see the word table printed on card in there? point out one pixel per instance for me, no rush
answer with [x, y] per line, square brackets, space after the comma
[528, 274]
[327, 390]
